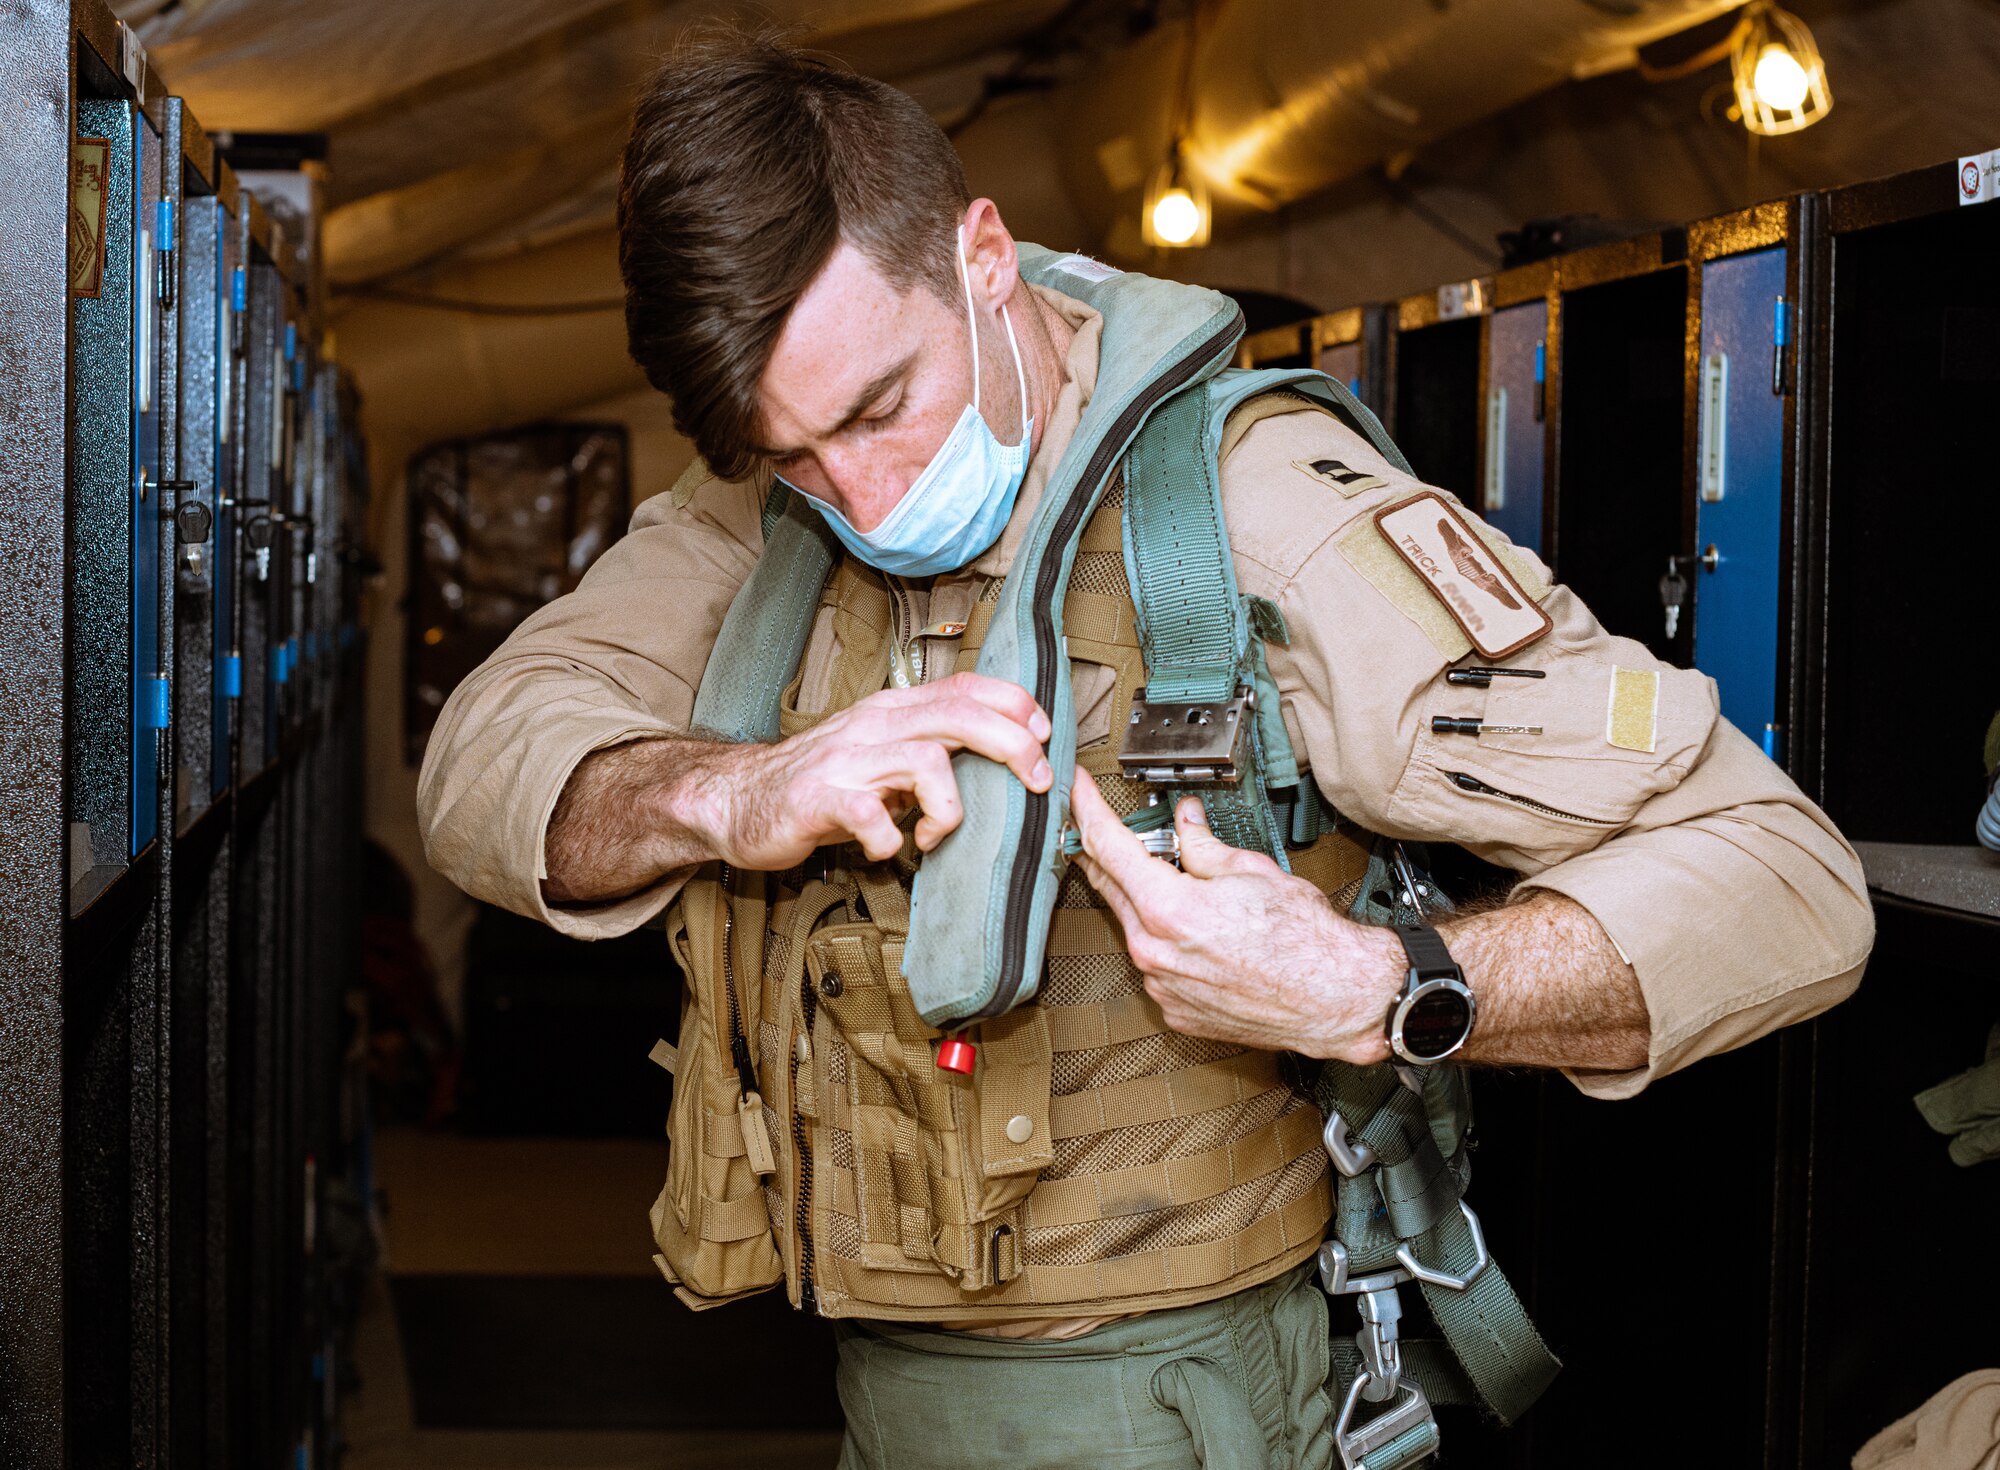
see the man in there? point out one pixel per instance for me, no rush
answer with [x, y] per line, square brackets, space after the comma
[811, 283]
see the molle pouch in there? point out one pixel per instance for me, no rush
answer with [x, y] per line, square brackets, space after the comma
[711, 1222]
[930, 1166]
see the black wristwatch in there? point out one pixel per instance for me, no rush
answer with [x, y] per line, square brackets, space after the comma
[1433, 1016]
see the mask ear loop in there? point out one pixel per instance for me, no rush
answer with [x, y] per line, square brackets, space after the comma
[972, 335]
[971, 324]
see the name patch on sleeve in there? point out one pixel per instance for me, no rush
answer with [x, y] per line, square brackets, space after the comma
[1482, 596]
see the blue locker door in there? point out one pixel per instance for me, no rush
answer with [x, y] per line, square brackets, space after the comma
[231, 290]
[1739, 488]
[149, 689]
[1510, 488]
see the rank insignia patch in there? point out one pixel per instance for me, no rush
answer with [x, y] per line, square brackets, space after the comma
[1349, 482]
[1461, 571]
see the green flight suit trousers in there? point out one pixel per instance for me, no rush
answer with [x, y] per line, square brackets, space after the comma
[1239, 1383]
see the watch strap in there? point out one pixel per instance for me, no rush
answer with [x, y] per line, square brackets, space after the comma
[1429, 958]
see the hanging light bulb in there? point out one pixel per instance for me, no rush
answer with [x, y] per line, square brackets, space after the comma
[1779, 75]
[1176, 212]
[1176, 217]
[1780, 81]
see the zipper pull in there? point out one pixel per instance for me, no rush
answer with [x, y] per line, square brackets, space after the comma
[739, 1053]
[756, 1137]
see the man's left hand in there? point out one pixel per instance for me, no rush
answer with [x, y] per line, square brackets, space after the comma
[1235, 948]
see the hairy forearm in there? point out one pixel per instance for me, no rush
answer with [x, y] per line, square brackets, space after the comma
[627, 818]
[1551, 988]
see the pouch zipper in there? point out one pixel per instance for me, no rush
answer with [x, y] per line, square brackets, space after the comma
[739, 1044]
[802, 1156]
[1027, 866]
[1465, 781]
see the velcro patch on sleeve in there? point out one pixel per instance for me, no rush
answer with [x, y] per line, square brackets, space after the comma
[1632, 713]
[1340, 475]
[1497, 614]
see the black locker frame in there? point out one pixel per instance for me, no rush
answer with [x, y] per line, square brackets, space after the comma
[1874, 1184]
[1418, 322]
[1610, 264]
[155, 1032]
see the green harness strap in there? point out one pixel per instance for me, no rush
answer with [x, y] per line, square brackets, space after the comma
[1193, 626]
[1400, 1153]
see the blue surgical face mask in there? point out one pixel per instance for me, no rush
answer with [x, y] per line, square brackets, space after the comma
[959, 505]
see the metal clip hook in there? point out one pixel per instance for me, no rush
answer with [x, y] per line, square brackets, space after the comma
[1350, 1156]
[1409, 1420]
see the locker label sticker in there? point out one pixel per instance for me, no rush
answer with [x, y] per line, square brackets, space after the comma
[1979, 177]
[1496, 613]
[89, 168]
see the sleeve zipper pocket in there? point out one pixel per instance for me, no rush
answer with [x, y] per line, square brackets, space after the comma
[1465, 781]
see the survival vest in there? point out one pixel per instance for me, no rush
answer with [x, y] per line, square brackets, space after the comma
[1094, 1161]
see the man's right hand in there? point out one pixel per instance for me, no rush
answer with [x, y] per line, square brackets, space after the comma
[632, 814]
[851, 776]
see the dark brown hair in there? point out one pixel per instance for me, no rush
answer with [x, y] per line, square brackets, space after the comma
[749, 161]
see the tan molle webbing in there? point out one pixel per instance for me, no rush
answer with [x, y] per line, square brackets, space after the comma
[1095, 1160]
[858, 602]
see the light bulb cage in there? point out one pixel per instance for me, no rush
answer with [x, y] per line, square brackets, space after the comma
[1766, 25]
[1170, 176]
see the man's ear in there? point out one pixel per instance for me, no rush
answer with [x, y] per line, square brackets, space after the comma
[991, 260]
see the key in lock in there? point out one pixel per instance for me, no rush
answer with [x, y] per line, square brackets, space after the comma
[257, 537]
[1673, 595]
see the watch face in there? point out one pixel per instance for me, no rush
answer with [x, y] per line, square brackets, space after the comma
[1436, 1021]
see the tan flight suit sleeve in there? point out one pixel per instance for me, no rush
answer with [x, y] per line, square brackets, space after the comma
[1737, 903]
[618, 659]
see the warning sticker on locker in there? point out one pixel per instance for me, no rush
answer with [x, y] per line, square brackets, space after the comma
[1979, 177]
[1482, 596]
[89, 168]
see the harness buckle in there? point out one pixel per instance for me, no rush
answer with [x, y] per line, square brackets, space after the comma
[1188, 742]
[1351, 1157]
[1407, 1429]
[1482, 1258]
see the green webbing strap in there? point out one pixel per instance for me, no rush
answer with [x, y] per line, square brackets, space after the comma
[1204, 642]
[775, 501]
[1412, 1445]
[1194, 628]
[1486, 1325]
[764, 632]
[1191, 621]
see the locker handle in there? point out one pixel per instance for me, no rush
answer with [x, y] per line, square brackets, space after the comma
[1780, 339]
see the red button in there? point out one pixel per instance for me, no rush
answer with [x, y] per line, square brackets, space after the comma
[957, 1056]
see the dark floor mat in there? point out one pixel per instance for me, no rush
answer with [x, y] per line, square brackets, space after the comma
[607, 1352]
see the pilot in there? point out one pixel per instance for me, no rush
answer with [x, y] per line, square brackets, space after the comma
[1095, 1247]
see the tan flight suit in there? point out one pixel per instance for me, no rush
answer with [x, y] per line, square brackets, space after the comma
[1737, 904]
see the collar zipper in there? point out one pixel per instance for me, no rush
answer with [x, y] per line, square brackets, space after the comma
[1027, 866]
[906, 651]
